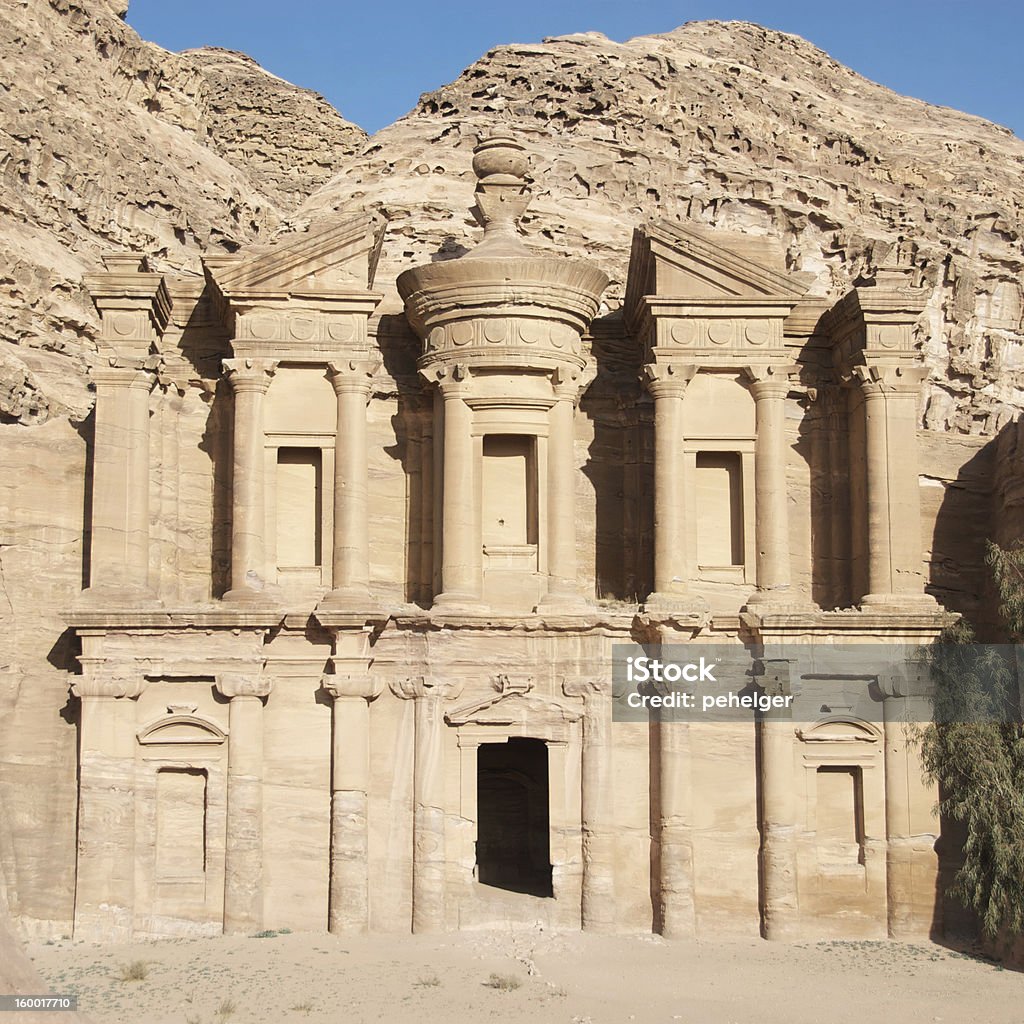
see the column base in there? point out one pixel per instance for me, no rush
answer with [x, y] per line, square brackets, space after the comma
[921, 603]
[348, 599]
[568, 600]
[269, 595]
[117, 597]
[779, 600]
[670, 605]
[454, 602]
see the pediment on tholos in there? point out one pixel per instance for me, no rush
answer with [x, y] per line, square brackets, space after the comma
[687, 263]
[336, 258]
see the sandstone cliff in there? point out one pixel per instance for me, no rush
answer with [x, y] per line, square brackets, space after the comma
[737, 127]
[108, 141]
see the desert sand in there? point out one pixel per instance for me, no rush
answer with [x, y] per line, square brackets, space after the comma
[529, 976]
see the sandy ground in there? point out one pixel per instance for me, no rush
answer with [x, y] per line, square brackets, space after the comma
[529, 976]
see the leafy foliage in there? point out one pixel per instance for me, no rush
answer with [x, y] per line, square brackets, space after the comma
[974, 749]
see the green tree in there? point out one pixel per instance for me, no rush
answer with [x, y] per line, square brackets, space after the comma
[974, 749]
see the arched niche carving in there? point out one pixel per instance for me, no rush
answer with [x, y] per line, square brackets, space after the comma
[181, 727]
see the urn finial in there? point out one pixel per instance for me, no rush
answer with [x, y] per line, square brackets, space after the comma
[500, 163]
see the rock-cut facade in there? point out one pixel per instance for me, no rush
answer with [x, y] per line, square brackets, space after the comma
[374, 690]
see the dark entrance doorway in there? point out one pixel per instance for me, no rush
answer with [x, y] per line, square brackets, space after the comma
[513, 849]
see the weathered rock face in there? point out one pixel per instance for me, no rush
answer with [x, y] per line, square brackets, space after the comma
[114, 142]
[737, 127]
[287, 139]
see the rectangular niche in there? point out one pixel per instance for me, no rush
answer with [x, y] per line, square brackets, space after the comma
[719, 487]
[839, 816]
[181, 824]
[509, 491]
[299, 503]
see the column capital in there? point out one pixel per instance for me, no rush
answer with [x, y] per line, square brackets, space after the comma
[352, 376]
[423, 687]
[569, 380]
[240, 684]
[876, 380]
[128, 685]
[127, 375]
[771, 380]
[668, 380]
[247, 374]
[341, 687]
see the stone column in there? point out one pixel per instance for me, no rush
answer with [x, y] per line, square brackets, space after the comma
[667, 384]
[351, 573]
[349, 906]
[461, 545]
[119, 547]
[250, 379]
[428, 858]
[598, 898]
[769, 386]
[563, 586]
[895, 569]
[243, 854]
[909, 857]
[676, 909]
[780, 906]
[105, 879]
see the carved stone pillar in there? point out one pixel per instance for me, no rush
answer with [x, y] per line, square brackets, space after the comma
[351, 574]
[243, 854]
[895, 563]
[134, 309]
[780, 906]
[250, 379]
[676, 910]
[119, 547]
[461, 545]
[563, 586]
[598, 898]
[428, 859]
[911, 864]
[769, 386]
[667, 384]
[105, 879]
[349, 906]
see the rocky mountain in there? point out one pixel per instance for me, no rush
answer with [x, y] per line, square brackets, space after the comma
[737, 127]
[109, 141]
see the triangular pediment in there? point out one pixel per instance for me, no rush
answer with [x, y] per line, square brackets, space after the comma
[338, 258]
[682, 262]
[512, 709]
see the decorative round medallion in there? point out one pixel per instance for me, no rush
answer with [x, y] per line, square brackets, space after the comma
[341, 330]
[757, 332]
[682, 333]
[123, 324]
[533, 332]
[495, 331]
[301, 328]
[720, 332]
[462, 333]
[263, 327]
[435, 339]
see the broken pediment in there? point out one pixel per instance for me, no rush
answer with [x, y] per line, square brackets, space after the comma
[514, 707]
[685, 263]
[332, 261]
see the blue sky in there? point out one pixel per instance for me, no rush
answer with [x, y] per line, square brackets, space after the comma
[373, 60]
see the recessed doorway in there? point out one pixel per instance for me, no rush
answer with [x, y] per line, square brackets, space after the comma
[513, 849]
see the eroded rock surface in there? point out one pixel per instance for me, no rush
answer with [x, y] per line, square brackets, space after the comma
[740, 128]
